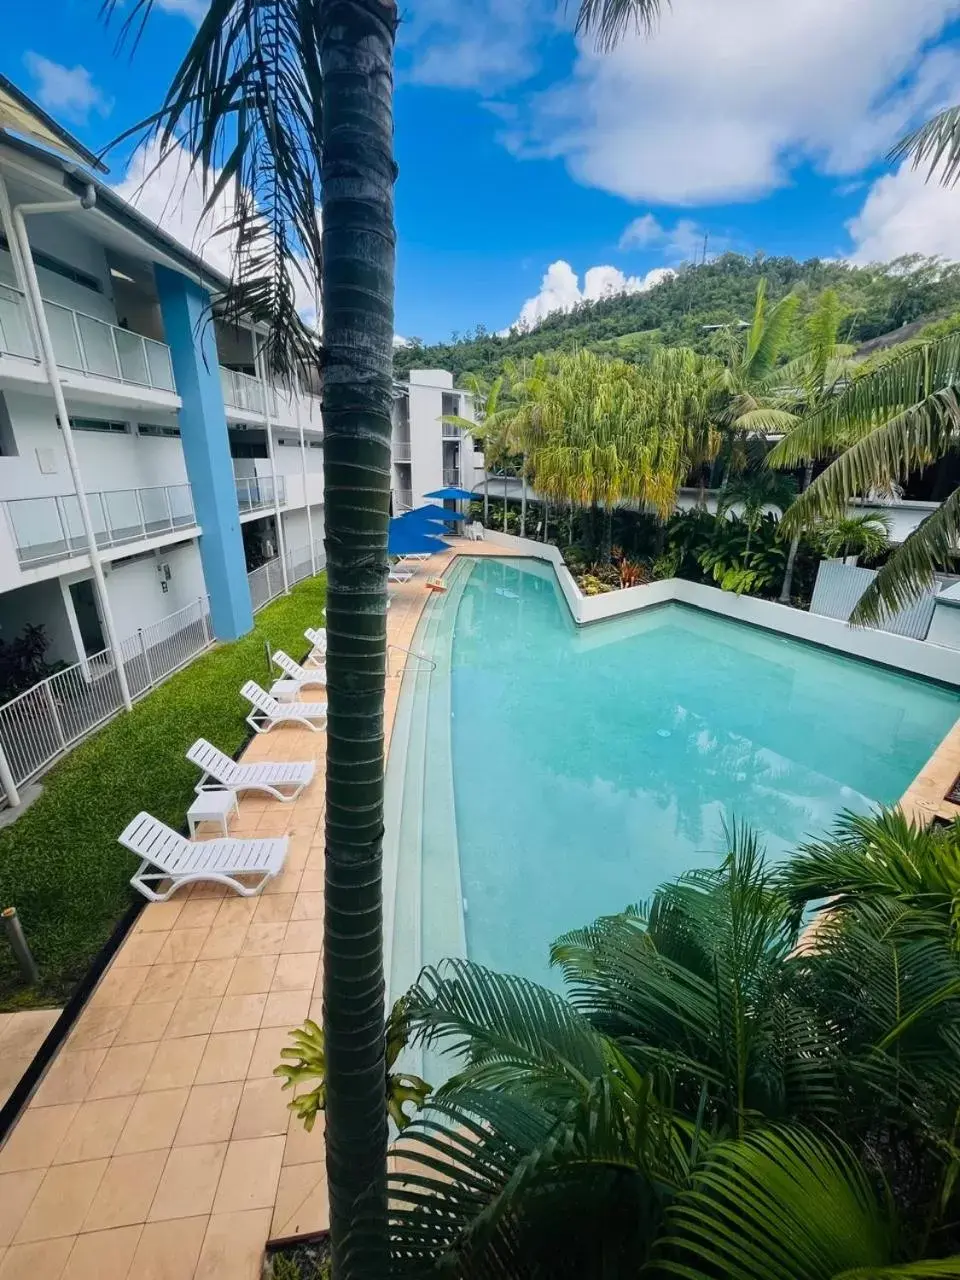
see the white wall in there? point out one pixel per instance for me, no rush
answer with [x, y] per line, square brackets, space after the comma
[135, 592]
[54, 235]
[426, 432]
[41, 604]
[295, 526]
[902, 517]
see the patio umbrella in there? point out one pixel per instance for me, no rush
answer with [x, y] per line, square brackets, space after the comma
[430, 513]
[452, 494]
[406, 539]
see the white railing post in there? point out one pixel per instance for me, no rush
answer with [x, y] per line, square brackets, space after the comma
[7, 782]
[303, 471]
[52, 708]
[143, 518]
[81, 349]
[146, 656]
[116, 353]
[204, 621]
[272, 454]
[146, 360]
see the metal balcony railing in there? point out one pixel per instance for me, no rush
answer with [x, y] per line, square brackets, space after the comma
[451, 432]
[402, 500]
[48, 529]
[401, 450]
[86, 345]
[256, 492]
[241, 391]
[451, 475]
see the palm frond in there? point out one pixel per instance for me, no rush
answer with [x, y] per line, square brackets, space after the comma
[245, 104]
[910, 570]
[608, 21]
[935, 144]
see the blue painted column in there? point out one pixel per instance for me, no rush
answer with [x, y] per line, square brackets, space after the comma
[206, 449]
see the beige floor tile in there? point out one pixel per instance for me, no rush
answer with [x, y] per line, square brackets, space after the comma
[240, 1013]
[223, 943]
[235, 913]
[197, 913]
[308, 906]
[44, 1260]
[62, 1202]
[97, 1027]
[302, 1201]
[302, 1147]
[17, 1191]
[169, 1250]
[286, 1008]
[34, 1140]
[124, 1070]
[145, 1022]
[11, 1070]
[175, 1063]
[311, 883]
[103, 1255]
[159, 915]
[303, 935]
[127, 1190]
[209, 1114]
[209, 978]
[226, 1057]
[69, 1077]
[233, 1246]
[25, 1032]
[263, 1109]
[266, 1051]
[264, 939]
[252, 975]
[288, 881]
[138, 949]
[274, 822]
[153, 1120]
[120, 986]
[274, 908]
[189, 1181]
[166, 982]
[250, 1174]
[95, 1130]
[193, 1017]
[182, 946]
[296, 972]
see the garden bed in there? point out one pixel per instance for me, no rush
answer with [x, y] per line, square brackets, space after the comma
[60, 864]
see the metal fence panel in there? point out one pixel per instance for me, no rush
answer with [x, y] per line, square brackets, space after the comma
[839, 587]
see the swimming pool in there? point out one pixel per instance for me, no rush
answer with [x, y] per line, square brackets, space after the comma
[542, 774]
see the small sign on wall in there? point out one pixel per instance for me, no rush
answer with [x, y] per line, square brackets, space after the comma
[47, 461]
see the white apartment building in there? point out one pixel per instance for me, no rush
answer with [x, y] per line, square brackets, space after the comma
[196, 470]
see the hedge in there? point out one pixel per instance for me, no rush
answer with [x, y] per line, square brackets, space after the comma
[60, 864]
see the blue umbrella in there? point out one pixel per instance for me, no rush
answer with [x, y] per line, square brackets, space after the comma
[405, 539]
[452, 494]
[431, 513]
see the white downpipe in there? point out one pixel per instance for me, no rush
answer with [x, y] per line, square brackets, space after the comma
[271, 454]
[53, 376]
[303, 472]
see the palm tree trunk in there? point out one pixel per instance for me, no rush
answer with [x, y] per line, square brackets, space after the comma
[504, 500]
[570, 539]
[607, 547]
[546, 518]
[356, 43]
[523, 497]
[486, 495]
[787, 589]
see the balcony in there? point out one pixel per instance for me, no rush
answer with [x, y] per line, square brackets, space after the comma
[451, 432]
[243, 392]
[49, 529]
[255, 493]
[451, 476]
[402, 499]
[84, 344]
[401, 450]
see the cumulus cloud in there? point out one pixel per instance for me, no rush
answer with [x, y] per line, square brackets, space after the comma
[904, 214]
[193, 10]
[170, 193]
[68, 92]
[560, 289]
[485, 44]
[727, 99]
[680, 243]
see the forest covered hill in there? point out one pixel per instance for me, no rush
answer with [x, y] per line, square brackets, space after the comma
[877, 299]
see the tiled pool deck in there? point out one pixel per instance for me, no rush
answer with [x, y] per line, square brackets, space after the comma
[158, 1145]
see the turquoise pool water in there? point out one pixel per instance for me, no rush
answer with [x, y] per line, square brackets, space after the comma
[558, 773]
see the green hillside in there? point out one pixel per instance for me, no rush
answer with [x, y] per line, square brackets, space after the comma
[878, 299]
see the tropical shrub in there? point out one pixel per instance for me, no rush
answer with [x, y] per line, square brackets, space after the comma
[22, 662]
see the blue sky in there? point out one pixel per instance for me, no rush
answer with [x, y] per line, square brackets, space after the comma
[527, 160]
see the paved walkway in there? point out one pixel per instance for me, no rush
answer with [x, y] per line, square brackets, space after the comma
[158, 1145]
[21, 1035]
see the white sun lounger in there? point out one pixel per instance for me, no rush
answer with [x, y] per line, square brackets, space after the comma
[280, 779]
[267, 712]
[399, 575]
[318, 639]
[167, 855]
[293, 671]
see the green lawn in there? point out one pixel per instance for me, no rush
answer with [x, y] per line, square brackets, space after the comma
[60, 864]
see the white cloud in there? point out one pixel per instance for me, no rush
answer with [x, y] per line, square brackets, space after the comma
[560, 289]
[194, 10]
[725, 100]
[68, 92]
[483, 44]
[680, 242]
[171, 194]
[902, 214]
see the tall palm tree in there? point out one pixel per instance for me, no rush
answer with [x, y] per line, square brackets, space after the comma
[290, 104]
[491, 428]
[754, 491]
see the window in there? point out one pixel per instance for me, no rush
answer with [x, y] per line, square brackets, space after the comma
[450, 404]
[60, 268]
[154, 429]
[99, 424]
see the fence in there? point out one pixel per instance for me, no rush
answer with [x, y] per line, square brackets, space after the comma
[266, 582]
[39, 726]
[839, 588]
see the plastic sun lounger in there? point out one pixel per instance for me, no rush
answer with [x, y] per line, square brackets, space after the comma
[399, 575]
[267, 712]
[167, 855]
[293, 671]
[318, 652]
[282, 780]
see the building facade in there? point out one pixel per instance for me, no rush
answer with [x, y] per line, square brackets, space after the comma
[428, 453]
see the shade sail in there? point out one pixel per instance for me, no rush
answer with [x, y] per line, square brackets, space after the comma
[452, 494]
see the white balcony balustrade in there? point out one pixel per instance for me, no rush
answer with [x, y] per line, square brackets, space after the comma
[451, 432]
[255, 493]
[84, 344]
[49, 529]
[401, 450]
[451, 476]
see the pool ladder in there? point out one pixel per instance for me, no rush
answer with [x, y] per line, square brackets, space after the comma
[412, 653]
